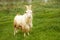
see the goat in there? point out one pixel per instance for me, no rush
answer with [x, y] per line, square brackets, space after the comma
[23, 22]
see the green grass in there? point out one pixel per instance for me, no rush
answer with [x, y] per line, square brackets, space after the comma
[46, 24]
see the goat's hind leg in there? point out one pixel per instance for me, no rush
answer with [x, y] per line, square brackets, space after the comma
[15, 30]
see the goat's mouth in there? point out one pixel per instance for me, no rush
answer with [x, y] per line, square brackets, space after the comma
[29, 17]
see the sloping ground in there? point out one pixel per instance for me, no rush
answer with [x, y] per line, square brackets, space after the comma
[46, 24]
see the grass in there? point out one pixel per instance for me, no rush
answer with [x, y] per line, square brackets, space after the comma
[46, 24]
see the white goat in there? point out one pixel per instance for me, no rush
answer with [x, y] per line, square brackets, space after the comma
[23, 22]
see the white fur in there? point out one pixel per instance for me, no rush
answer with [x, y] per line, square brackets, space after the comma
[24, 20]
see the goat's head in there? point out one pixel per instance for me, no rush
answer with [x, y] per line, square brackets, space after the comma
[28, 11]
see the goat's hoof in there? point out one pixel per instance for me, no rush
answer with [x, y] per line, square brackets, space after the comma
[28, 33]
[14, 34]
[24, 35]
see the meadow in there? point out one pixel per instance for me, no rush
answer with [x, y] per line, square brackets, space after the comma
[46, 23]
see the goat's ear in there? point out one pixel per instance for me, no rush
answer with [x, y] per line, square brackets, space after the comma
[30, 6]
[26, 6]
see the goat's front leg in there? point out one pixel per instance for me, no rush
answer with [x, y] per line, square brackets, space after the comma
[30, 24]
[28, 33]
[25, 34]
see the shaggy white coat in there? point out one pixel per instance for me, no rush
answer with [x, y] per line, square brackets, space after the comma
[25, 21]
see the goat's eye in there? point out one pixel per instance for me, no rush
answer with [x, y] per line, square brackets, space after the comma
[26, 11]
